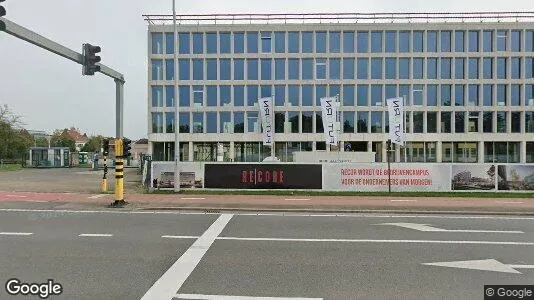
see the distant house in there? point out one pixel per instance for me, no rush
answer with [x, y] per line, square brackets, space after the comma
[139, 148]
[79, 139]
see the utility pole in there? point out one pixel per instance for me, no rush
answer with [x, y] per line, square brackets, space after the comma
[176, 106]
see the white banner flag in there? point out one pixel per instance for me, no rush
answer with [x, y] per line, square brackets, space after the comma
[329, 109]
[267, 120]
[396, 120]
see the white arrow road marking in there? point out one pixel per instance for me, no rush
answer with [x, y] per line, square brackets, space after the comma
[16, 233]
[98, 196]
[192, 198]
[427, 228]
[483, 265]
[221, 297]
[95, 235]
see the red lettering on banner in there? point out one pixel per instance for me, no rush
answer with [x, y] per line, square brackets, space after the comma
[281, 177]
[244, 177]
[260, 177]
[268, 177]
[275, 176]
[251, 176]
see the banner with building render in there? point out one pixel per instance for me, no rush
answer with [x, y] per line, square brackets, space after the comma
[267, 120]
[396, 120]
[329, 113]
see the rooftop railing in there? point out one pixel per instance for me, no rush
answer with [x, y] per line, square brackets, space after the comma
[315, 18]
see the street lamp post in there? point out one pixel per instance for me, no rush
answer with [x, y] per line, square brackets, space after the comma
[176, 105]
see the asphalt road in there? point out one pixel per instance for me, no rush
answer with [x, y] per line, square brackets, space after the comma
[174, 255]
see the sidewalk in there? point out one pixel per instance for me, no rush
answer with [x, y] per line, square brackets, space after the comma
[523, 206]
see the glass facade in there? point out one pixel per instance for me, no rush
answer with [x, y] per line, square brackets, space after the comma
[466, 80]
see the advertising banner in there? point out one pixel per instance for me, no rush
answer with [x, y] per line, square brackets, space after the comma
[263, 176]
[473, 177]
[267, 120]
[396, 120]
[374, 177]
[191, 175]
[516, 177]
[329, 114]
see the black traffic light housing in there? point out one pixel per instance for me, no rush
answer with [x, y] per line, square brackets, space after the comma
[126, 147]
[2, 13]
[105, 147]
[90, 58]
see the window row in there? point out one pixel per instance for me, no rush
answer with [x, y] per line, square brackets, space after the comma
[346, 68]
[390, 41]
[351, 121]
[348, 94]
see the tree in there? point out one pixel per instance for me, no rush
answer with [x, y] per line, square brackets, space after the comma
[41, 142]
[63, 139]
[15, 141]
[94, 144]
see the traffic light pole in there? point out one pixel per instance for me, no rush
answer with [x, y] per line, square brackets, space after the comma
[29, 36]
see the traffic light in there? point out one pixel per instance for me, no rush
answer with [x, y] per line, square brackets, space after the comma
[126, 147]
[105, 146]
[2, 9]
[90, 59]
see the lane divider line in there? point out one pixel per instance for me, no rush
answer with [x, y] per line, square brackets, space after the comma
[16, 233]
[95, 235]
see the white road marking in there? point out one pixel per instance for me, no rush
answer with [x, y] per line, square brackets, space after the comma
[168, 285]
[482, 265]
[375, 241]
[16, 233]
[404, 200]
[179, 237]
[16, 196]
[96, 235]
[427, 228]
[192, 198]
[221, 297]
[296, 199]
[98, 196]
[510, 202]
[381, 214]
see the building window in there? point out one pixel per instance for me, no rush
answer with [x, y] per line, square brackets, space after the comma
[501, 122]
[488, 94]
[501, 95]
[516, 68]
[488, 41]
[293, 42]
[487, 122]
[252, 69]
[169, 122]
[239, 69]
[184, 92]
[432, 95]
[404, 91]
[280, 42]
[252, 120]
[376, 95]
[459, 122]
[529, 41]
[307, 95]
[465, 152]
[226, 122]
[459, 70]
[376, 122]
[279, 95]
[307, 42]
[404, 41]
[487, 68]
[266, 65]
[432, 68]
[184, 44]
[348, 68]
[335, 68]
[473, 41]
[225, 95]
[473, 68]
[169, 43]
[320, 92]
[432, 41]
[529, 121]
[157, 69]
[516, 95]
[198, 96]
[183, 69]
[211, 42]
[225, 69]
[459, 97]
[211, 95]
[501, 68]
[169, 96]
[376, 41]
[446, 95]
[363, 42]
[432, 122]
[252, 42]
[501, 152]
[252, 95]
[391, 41]
[363, 94]
[501, 40]
[211, 122]
[418, 68]
[225, 42]
[198, 43]
[307, 122]
[391, 68]
[446, 122]
[198, 69]
[445, 41]
[294, 121]
[530, 152]
[472, 125]
[348, 121]
[157, 122]
[459, 41]
[516, 122]
[293, 68]
[348, 41]
[417, 94]
[184, 122]
[266, 42]
[320, 42]
[391, 91]
[516, 41]
[529, 95]
[418, 117]
[363, 68]
[445, 68]
[417, 41]
[529, 67]
[239, 42]
[472, 94]
[157, 96]
[334, 41]
[293, 95]
[157, 43]
[363, 121]
[404, 68]
[279, 121]
[239, 122]
[307, 68]
[376, 68]
[211, 66]
[320, 68]
[239, 95]
[280, 69]
[348, 95]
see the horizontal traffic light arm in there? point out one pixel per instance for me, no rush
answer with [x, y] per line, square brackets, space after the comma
[47, 44]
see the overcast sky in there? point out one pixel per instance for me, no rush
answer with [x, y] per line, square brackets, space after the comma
[50, 92]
